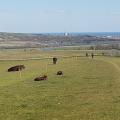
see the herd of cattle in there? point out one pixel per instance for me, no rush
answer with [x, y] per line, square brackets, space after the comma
[40, 78]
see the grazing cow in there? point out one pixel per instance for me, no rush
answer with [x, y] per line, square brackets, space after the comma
[41, 78]
[103, 54]
[59, 73]
[54, 60]
[16, 68]
[86, 54]
[92, 55]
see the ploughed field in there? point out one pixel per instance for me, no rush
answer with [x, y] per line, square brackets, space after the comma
[88, 90]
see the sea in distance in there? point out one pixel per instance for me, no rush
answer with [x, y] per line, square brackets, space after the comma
[102, 34]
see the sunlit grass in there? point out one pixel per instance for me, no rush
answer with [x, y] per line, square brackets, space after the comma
[88, 90]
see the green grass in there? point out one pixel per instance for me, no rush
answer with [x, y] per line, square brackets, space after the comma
[89, 89]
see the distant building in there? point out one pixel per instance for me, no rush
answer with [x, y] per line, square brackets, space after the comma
[66, 34]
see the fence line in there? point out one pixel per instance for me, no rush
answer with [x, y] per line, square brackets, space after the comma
[59, 57]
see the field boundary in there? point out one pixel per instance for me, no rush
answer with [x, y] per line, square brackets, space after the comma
[27, 59]
[44, 58]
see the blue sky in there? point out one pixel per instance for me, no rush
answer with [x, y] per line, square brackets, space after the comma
[44, 16]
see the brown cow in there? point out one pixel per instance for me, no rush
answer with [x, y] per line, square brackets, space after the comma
[41, 78]
[16, 68]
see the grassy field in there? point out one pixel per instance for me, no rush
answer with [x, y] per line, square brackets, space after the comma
[89, 89]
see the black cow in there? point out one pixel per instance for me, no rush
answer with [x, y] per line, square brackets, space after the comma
[59, 73]
[103, 54]
[54, 60]
[92, 55]
[41, 78]
[16, 68]
[86, 54]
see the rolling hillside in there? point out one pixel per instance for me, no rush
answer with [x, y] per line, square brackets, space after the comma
[19, 40]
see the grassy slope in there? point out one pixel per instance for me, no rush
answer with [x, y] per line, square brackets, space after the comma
[89, 90]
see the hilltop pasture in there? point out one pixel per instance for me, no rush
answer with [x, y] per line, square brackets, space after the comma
[88, 90]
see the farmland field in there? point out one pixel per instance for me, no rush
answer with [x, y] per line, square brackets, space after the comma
[88, 90]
